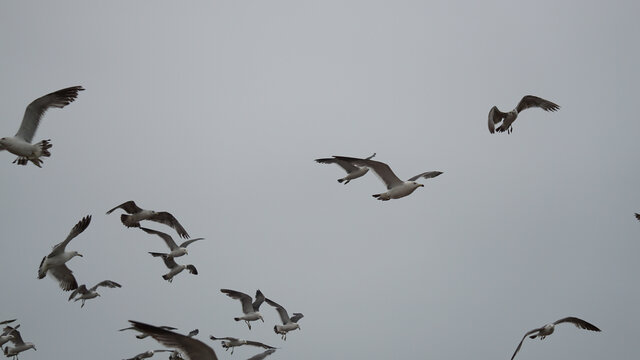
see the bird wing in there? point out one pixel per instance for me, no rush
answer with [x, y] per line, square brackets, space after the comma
[426, 175]
[222, 338]
[577, 322]
[637, 216]
[530, 101]
[82, 289]
[186, 243]
[166, 218]
[193, 333]
[64, 276]
[166, 237]
[8, 330]
[17, 338]
[106, 283]
[39, 106]
[75, 231]
[347, 166]
[7, 321]
[259, 344]
[495, 116]
[247, 306]
[521, 341]
[296, 317]
[192, 269]
[169, 261]
[381, 169]
[281, 311]
[262, 355]
[259, 300]
[129, 206]
[193, 349]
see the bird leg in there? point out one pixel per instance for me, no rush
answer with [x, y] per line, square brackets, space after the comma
[232, 350]
[248, 324]
[81, 306]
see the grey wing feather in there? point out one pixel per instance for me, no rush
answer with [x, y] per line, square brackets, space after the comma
[64, 276]
[166, 237]
[17, 337]
[106, 283]
[381, 169]
[192, 269]
[82, 289]
[38, 107]
[258, 301]
[193, 349]
[578, 322]
[495, 116]
[262, 355]
[169, 262]
[521, 341]
[530, 101]
[166, 218]
[296, 317]
[128, 206]
[426, 175]
[247, 306]
[186, 243]
[347, 166]
[281, 311]
[259, 344]
[222, 338]
[7, 321]
[75, 231]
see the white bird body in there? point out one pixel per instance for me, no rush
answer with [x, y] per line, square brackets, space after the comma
[283, 329]
[288, 323]
[399, 191]
[5, 339]
[18, 146]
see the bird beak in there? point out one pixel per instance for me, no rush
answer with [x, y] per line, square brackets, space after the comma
[80, 255]
[421, 185]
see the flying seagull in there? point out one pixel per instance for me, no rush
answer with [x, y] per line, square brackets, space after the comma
[54, 263]
[174, 268]
[143, 335]
[138, 214]
[548, 330]
[193, 349]
[147, 354]
[637, 216]
[20, 143]
[234, 342]
[19, 344]
[91, 293]
[353, 172]
[262, 355]
[249, 309]
[7, 334]
[176, 250]
[529, 101]
[288, 323]
[396, 187]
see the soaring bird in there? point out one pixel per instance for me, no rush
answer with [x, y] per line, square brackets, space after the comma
[288, 323]
[54, 263]
[250, 310]
[176, 251]
[193, 349]
[232, 342]
[19, 344]
[396, 187]
[174, 268]
[529, 101]
[139, 214]
[353, 172]
[20, 143]
[548, 330]
[91, 293]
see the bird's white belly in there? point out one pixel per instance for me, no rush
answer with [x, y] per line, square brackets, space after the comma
[250, 317]
[19, 147]
[401, 191]
[356, 174]
[286, 328]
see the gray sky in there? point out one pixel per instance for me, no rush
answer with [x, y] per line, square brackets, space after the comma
[216, 112]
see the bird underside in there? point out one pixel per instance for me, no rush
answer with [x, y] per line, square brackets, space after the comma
[45, 145]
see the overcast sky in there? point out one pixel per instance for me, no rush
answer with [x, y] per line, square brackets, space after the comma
[216, 112]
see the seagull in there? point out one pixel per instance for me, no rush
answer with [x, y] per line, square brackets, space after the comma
[20, 143]
[20, 345]
[174, 268]
[193, 349]
[91, 293]
[138, 214]
[234, 342]
[7, 334]
[147, 354]
[396, 187]
[637, 216]
[529, 101]
[54, 263]
[176, 250]
[288, 323]
[548, 330]
[249, 309]
[262, 355]
[353, 172]
[143, 335]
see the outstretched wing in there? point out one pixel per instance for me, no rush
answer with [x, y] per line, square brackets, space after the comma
[129, 206]
[17, 338]
[39, 106]
[193, 349]
[106, 283]
[186, 243]
[75, 231]
[426, 175]
[82, 289]
[347, 166]
[247, 306]
[495, 116]
[262, 355]
[281, 311]
[166, 218]
[521, 341]
[259, 300]
[381, 169]
[530, 101]
[7, 321]
[577, 322]
[296, 317]
[166, 237]
[64, 276]
[259, 344]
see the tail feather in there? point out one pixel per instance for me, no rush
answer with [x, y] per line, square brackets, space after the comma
[45, 145]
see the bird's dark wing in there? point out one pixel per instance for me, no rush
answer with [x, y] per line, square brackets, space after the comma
[193, 349]
[530, 101]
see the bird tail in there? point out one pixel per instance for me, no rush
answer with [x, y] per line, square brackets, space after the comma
[45, 145]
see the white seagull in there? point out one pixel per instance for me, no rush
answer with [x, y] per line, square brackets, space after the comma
[20, 345]
[147, 354]
[396, 187]
[176, 251]
[353, 172]
[193, 349]
[7, 333]
[174, 268]
[91, 293]
[232, 342]
[288, 323]
[529, 101]
[143, 335]
[139, 214]
[20, 143]
[54, 263]
[548, 330]
[249, 309]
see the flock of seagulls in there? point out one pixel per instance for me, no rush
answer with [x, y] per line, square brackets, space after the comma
[187, 346]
